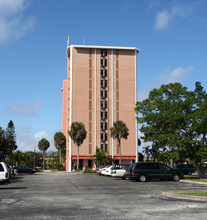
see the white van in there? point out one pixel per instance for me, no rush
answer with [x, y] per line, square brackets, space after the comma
[4, 172]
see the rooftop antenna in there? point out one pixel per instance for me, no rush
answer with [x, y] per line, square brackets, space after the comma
[68, 41]
[84, 41]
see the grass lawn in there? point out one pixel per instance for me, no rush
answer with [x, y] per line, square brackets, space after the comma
[195, 194]
[194, 178]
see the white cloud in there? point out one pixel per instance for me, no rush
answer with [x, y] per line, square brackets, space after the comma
[40, 135]
[162, 20]
[13, 24]
[166, 17]
[177, 75]
[27, 109]
[27, 142]
[23, 129]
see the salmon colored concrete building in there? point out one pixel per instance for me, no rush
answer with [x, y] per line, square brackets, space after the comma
[100, 89]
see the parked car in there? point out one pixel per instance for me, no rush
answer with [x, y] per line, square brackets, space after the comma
[119, 170]
[24, 169]
[153, 170]
[14, 172]
[106, 170]
[187, 169]
[98, 169]
[4, 172]
[128, 172]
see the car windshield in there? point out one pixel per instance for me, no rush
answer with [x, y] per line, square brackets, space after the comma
[117, 166]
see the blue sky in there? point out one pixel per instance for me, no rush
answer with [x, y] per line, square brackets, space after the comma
[171, 36]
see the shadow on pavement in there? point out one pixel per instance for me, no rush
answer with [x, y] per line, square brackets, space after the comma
[1, 188]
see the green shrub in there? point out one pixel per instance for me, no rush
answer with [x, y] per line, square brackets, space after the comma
[59, 166]
[89, 170]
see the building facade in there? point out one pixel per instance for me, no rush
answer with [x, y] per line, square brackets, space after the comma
[100, 89]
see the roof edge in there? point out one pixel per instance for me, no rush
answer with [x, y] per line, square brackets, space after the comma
[103, 47]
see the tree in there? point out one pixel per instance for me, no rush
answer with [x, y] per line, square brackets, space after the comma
[43, 145]
[195, 142]
[140, 157]
[100, 157]
[119, 131]
[151, 151]
[175, 121]
[11, 137]
[17, 158]
[77, 133]
[60, 143]
[163, 117]
[4, 150]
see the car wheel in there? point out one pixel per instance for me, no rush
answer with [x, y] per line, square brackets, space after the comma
[176, 177]
[142, 178]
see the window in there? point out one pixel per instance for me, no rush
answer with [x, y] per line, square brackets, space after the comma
[102, 146]
[102, 96]
[90, 84]
[102, 52]
[165, 167]
[147, 166]
[90, 137]
[105, 52]
[102, 63]
[105, 104]
[102, 115]
[105, 73]
[101, 125]
[102, 104]
[106, 83]
[106, 147]
[105, 62]
[102, 83]
[102, 73]
[90, 94]
[106, 125]
[101, 136]
[105, 93]
[1, 168]
[106, 136]
[106, 115]
[90, 116]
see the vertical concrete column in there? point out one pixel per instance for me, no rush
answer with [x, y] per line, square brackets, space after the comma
[112, 99]
[71, 107]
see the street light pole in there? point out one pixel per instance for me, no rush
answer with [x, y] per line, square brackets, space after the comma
[34, 156]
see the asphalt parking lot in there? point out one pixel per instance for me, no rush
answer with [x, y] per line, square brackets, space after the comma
[62, 195]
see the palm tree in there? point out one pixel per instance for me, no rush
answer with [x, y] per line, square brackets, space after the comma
[59, 142]
[78, 134]
[100, 157]
[43, 145]
[119, 131]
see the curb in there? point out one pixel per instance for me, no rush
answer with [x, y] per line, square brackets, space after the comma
[181, 196]
[188, 181]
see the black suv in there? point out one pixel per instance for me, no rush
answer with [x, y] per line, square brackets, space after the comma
[153, 170]
[187, 169]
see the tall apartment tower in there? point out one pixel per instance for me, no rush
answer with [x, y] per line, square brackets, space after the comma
[100, 89]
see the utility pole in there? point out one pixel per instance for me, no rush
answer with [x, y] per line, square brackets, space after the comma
[34, 156]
